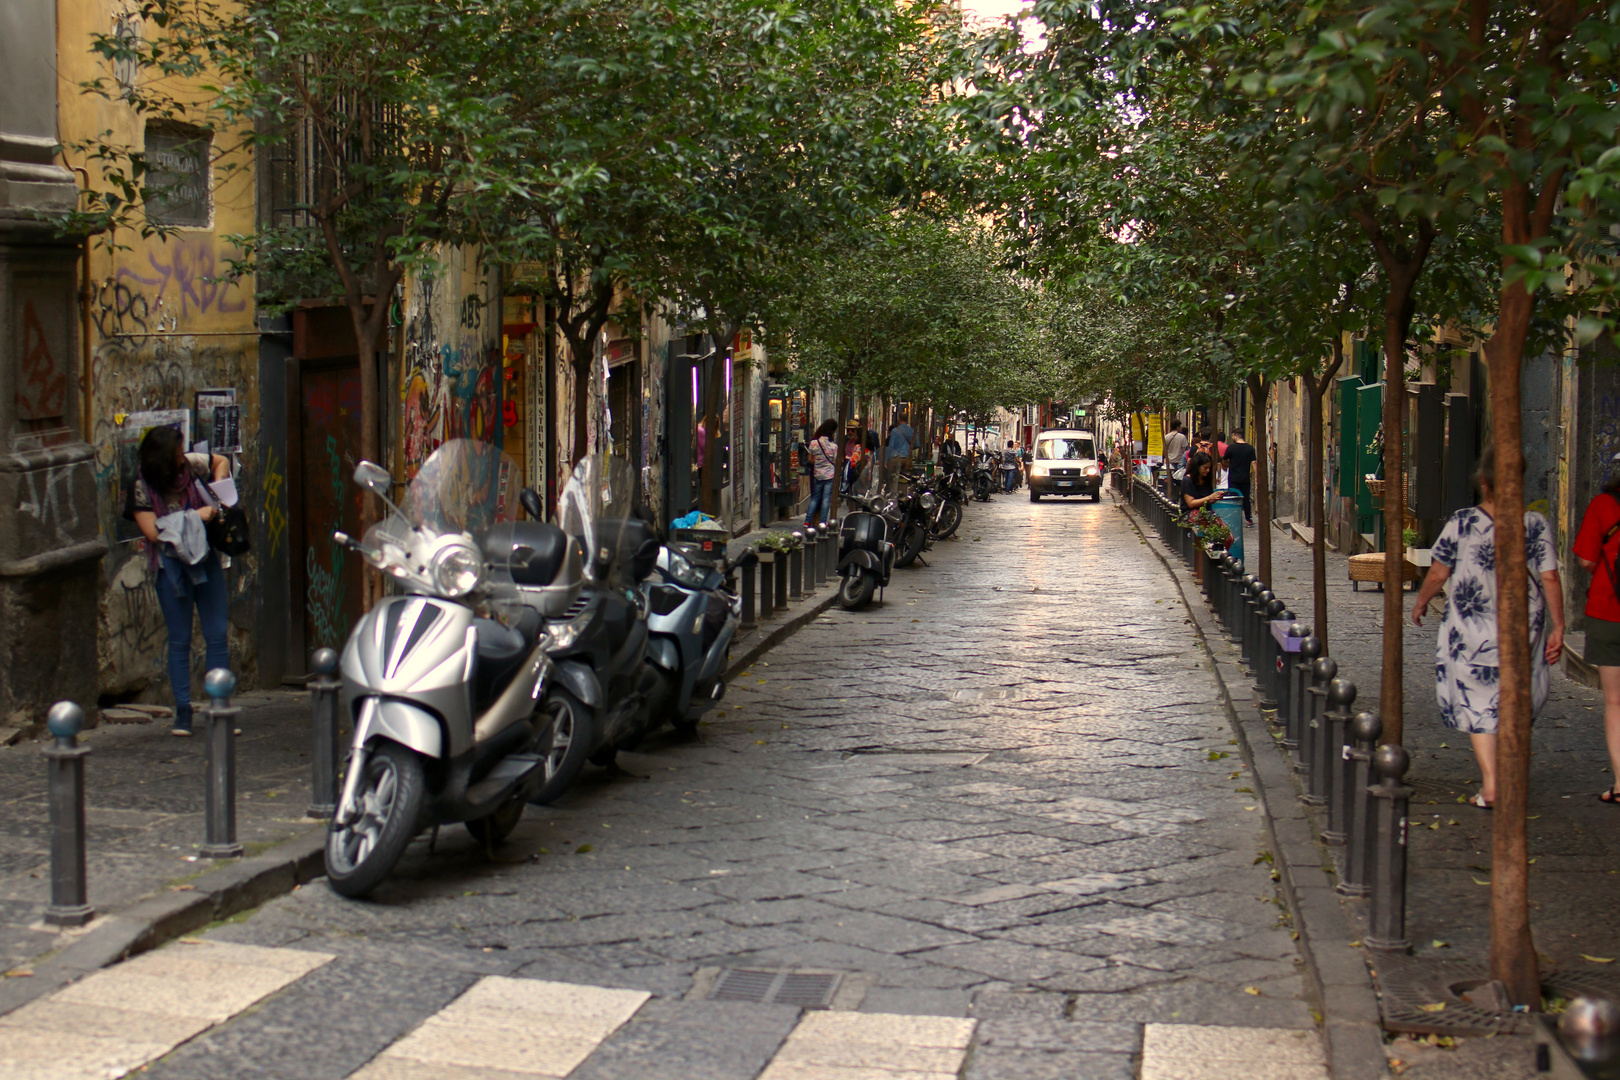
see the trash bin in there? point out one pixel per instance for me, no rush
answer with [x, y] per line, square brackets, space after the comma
[1230, 507]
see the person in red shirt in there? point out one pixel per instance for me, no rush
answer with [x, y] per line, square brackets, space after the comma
[1597, 547]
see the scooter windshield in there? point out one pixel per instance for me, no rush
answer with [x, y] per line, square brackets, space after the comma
[597, 507]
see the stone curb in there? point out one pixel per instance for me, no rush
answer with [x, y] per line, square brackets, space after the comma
[1351, 1025]
[146, 924]
[775, 635]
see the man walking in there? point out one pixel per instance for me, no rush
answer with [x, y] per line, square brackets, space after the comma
[897, 457]
[1175, 452]
[1240, 458]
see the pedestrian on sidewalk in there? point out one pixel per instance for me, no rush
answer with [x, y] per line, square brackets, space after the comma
[1009, 466]
[1467, 665]
[1240, 458]
[1198, 486]
[1175, 455]
[824, 470]
[1597, 548]
[168, 505]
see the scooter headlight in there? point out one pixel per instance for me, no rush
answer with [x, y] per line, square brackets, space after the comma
[682, 572]
[457, 570]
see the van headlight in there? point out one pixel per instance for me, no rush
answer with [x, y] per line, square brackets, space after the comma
[1038, 469]
[457, 569]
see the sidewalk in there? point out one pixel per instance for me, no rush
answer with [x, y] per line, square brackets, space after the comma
[144, 804]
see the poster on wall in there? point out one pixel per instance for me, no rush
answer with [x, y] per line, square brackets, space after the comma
[128, 447]
[219, 419]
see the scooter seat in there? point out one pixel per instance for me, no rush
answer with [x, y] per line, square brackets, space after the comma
[500, 651]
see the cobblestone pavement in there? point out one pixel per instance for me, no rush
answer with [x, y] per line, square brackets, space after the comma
[1574, 845]
[1005, 798]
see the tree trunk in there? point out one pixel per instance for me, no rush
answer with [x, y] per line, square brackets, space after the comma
[1259, 391]
[1391, 691]
[1513, 954]
[843, 454]
[1315, 387]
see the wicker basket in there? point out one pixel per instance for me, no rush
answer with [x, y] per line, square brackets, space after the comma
[1370, 567]
[1375, 487]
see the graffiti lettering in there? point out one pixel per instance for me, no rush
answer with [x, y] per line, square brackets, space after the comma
[275, 521]
[41, 380]
[47, 497]
[193, 269]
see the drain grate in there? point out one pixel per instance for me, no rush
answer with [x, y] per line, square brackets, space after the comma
[1407, 984]
[804, 989]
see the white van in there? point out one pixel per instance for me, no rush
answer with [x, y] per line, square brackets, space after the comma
[1065, 463]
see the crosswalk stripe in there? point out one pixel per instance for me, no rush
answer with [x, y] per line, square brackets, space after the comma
[872, 1046]
[1199, 1052]
[508, 1029]
[117, 1020]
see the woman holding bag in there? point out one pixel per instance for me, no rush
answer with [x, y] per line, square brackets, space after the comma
[172, 508]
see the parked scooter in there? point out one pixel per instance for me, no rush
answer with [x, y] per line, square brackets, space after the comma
[951, 495]
[599, 698]
[911, 513]
[442, 697]
[984, 477]
[694, 611]
[865, 554]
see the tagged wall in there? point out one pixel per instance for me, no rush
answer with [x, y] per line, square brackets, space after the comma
[450, 372]
[160, 325]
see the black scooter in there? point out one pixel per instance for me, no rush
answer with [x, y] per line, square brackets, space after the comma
[865, 554]
[599, 646]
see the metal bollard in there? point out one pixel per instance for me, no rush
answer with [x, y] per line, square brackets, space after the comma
[1214, 575]
[221, 735]
[1259, 597]
[823, 533]
[748, 579]
[1234, 582]
[1285, 680]
[1388, 923]
[1299, 672]
[784, 565]
[64, 780]
[1270, 654]
[1240, 615]
[323, 714]
[1355, 868]
[795, 574]
[814, 574]
[1335, 762]
[1322, 673]
[767, 582]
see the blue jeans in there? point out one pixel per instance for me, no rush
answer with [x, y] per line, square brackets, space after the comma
[1007, 478]
[820, 496]
[177, 592]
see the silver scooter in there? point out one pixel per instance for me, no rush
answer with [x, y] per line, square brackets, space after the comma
[693, 611]
[444, 682]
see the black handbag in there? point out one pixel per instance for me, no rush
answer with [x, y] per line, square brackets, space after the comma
[227, 530]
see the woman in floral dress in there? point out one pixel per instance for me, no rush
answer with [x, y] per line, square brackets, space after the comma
[1466, 666]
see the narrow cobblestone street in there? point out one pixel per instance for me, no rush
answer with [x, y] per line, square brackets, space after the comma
[1006, 795]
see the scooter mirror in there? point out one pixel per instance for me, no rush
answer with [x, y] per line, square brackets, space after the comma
[532, 506]
[374, 478]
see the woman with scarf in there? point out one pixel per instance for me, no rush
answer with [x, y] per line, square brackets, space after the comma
[170, 507]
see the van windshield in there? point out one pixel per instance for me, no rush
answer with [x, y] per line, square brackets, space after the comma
[1071, 449]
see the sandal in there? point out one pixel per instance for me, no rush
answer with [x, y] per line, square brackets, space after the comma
[1479, 801]
[1611, 797]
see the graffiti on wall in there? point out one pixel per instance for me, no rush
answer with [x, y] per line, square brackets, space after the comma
[450, 385]
[185, 271]
[41, 375]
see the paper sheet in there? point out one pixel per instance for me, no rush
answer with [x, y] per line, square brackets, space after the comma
[225, 491]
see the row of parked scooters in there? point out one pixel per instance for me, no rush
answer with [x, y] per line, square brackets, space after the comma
[512, 651]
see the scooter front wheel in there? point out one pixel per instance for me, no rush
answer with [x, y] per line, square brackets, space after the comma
[565, 744]
[390, 797]
[857, 589]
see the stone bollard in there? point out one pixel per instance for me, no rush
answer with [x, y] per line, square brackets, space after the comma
[64, 783]
[1322, 673]
[323, 715]
[1355, 878]
[1299, 673]
[767, 582]
[746, 584]
[795, 574]
[1335, 762]
[1387, 929]
[1271, 651]
[221, 717]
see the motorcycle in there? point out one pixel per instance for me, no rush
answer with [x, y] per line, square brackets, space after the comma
[865, 554]
[952, 495]
[694, 611]
[442, 679]
[910, 513]
[598, 645]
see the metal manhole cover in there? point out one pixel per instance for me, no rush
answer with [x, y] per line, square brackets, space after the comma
[1406, 984]
[803, 989]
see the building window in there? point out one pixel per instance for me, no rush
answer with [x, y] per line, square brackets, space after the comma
[177, 175]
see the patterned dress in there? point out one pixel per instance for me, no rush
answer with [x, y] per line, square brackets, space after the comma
[1466, 667]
